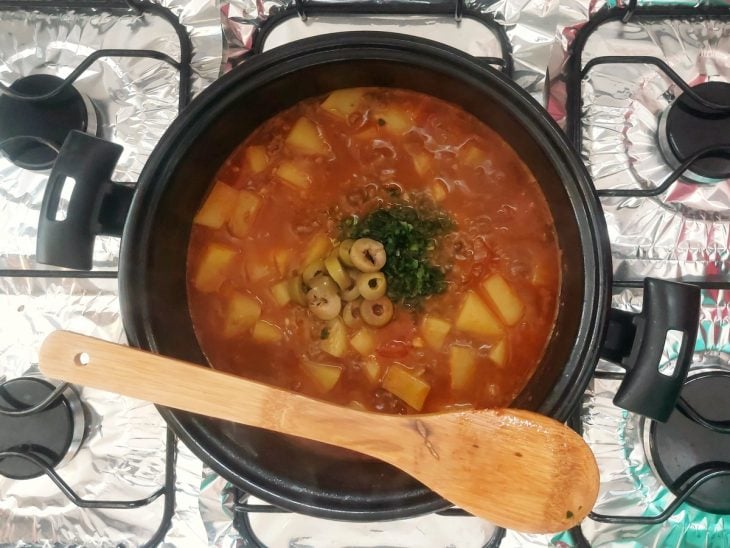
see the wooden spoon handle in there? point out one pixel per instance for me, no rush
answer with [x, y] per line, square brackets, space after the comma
[181, 385]
[515, 468]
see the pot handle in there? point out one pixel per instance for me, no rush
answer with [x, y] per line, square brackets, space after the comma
[636, 343]
[96, 205]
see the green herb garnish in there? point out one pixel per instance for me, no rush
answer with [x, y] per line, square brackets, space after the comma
[324, 333]
[408, 234]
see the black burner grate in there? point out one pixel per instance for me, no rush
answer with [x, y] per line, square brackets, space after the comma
[40, 150]
[28, 105]
[449, 8]
[693, 477]
[32, 132]
[692, 157]
[39, 421]
[683, 448]
[26, 458]
[689, 127]
[243, 508]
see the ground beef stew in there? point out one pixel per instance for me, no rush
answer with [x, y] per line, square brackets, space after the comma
[378, 248]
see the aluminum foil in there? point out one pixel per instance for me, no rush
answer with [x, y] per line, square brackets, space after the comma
[684, 231]
[136, 98]
[628, 485]
[530, 26]
[123, 457]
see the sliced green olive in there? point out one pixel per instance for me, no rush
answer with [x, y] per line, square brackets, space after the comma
[323, 281]
[372, 285]
[378, 312]
[352, 292]
[344, 252]
[296, 290]
[351, 314]
[324, 303]
[367, 255]
[312, 270]
[336, 271]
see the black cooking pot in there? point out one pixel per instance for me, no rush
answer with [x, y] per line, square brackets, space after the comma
[176, 178]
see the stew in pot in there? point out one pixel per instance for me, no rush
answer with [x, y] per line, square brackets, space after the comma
[377, 248]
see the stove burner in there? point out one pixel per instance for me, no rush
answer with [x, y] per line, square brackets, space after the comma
[687, 127]
[31, 132]
[52, 435]
[678, 446]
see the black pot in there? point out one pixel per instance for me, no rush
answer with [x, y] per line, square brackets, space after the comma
[175, 181]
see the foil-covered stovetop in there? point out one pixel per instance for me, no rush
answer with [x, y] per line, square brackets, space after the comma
[681, 233]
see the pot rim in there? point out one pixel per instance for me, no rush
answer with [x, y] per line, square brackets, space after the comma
[337, 48]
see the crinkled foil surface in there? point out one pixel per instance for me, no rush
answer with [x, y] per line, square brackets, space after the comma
[684, 231]
[629, 487]
[123, 457]
[530, 26]
[679, 233]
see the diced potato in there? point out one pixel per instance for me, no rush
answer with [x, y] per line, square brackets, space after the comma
[244, 213]
[421, 163]
[372, 369]
[265, 332]
[418, 342]
[305, 137]
[319, 246]
[241, 315]
[540, 272]
[218, 206]
[472, 155]
[324, 375]
[296, 290]
[505, 300]
[476, 319]
[462, 363]
[335, 342]
[344, 102]
[293, 176]
[282, 259]
[498, 353]
[354, 404]
[434, 331]
[258, 270]
[212, 268]
[257, 158]
[366, 134]
[406, 386]
[280, 292]
[438, 191]
[363, 341]
[394, 120]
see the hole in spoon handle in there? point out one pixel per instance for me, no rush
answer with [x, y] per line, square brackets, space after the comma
[82, 359]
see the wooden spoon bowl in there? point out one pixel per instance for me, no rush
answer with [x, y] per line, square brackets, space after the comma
[515, 468]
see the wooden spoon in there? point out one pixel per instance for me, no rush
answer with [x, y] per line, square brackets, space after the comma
[515, 468]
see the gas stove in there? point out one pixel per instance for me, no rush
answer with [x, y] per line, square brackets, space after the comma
[644, 95]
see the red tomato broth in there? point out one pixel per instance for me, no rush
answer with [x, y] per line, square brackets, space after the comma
[503, 226]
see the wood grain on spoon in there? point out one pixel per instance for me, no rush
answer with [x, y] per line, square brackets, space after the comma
[515, 468]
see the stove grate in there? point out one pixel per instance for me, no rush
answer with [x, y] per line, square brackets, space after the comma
[167, 491]
[685, 485]
[577, 72]
[183, 66]
[11, 144]
[456, 8]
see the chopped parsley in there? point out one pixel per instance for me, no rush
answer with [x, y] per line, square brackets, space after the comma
[324, 333]
[409, 234]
